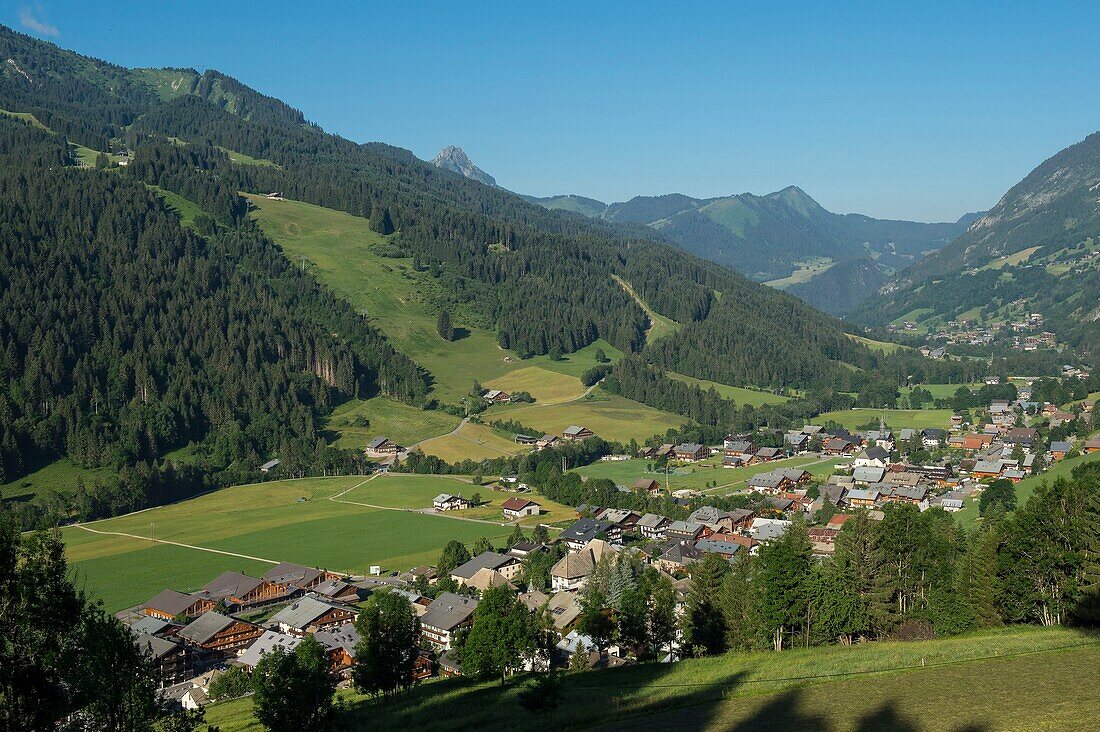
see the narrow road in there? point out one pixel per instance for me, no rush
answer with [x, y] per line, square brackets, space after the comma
[176, 543]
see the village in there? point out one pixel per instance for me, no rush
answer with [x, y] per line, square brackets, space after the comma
[232, 621]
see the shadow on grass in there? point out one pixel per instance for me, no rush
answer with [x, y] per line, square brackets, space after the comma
[586, 700]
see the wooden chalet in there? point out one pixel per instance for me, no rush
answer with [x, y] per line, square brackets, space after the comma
[576, 432]
[383, 446]
[213, 631]
[691, 452]
[310, 614]
[496, 396]
[238, 590]
[169, 604]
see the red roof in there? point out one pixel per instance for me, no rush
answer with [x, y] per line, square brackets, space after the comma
[517, 504]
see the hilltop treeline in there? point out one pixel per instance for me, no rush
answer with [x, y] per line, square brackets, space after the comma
[123, 335]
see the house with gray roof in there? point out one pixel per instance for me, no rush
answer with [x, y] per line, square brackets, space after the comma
[310, 614]
[447, 613]
[219, 633]
[716, 546]
[585, 530]
[868, 474]
[685, 530]
[507, 564]
[266, 643]
[653, 526]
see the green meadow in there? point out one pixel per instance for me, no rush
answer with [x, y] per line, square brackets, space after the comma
[354, 423]
[610, 416]
[738, 394]
[276, 521]
[343, 252]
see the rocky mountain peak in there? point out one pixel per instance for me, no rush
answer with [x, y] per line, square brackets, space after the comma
[456, 160]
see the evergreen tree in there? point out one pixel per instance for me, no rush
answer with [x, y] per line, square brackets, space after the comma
[481, 545]
[735, 600]
[662, 616]
[703, 624]
[386, 650]
[976, 582]
[445, 329]
[541, 535]
[542, 694]
[516, 536]
[783, 575]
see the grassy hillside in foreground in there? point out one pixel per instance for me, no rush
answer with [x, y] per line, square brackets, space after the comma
[999, 680]
[276, 521]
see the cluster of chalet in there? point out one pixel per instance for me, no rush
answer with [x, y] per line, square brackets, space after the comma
[191, 635]
[514, 508]
[572, 433]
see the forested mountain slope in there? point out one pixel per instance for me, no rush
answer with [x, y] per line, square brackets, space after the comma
[1037, 250]
[124, 335]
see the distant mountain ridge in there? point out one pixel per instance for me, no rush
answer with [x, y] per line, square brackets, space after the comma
[456, 160]
[768, 237]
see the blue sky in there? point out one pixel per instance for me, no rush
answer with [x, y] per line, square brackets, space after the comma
[922, 110]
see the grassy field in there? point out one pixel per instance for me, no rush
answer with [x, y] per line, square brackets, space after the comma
[659, 325]
[968, 516]
[471, 442]
[1011, 260]
[698, 476]
[998, 680]
[547, 387]
[736, 393]
[60, 475]
[412, 491]
[882, 346]
[806, 271]
[938, 391]
[610, 416]
[241, 159]
[895, 418]
[400, 422]
[275, 521]
[186, 209]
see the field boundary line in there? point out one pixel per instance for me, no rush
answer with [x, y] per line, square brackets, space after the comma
[176, 543]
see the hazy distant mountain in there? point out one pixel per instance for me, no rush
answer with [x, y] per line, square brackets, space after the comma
[456, 160]
[769, 237]
[1037, 250]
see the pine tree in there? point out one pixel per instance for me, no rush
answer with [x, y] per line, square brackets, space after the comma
[783, 574]
[703, 624]
[976, 582]
[444, 328]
